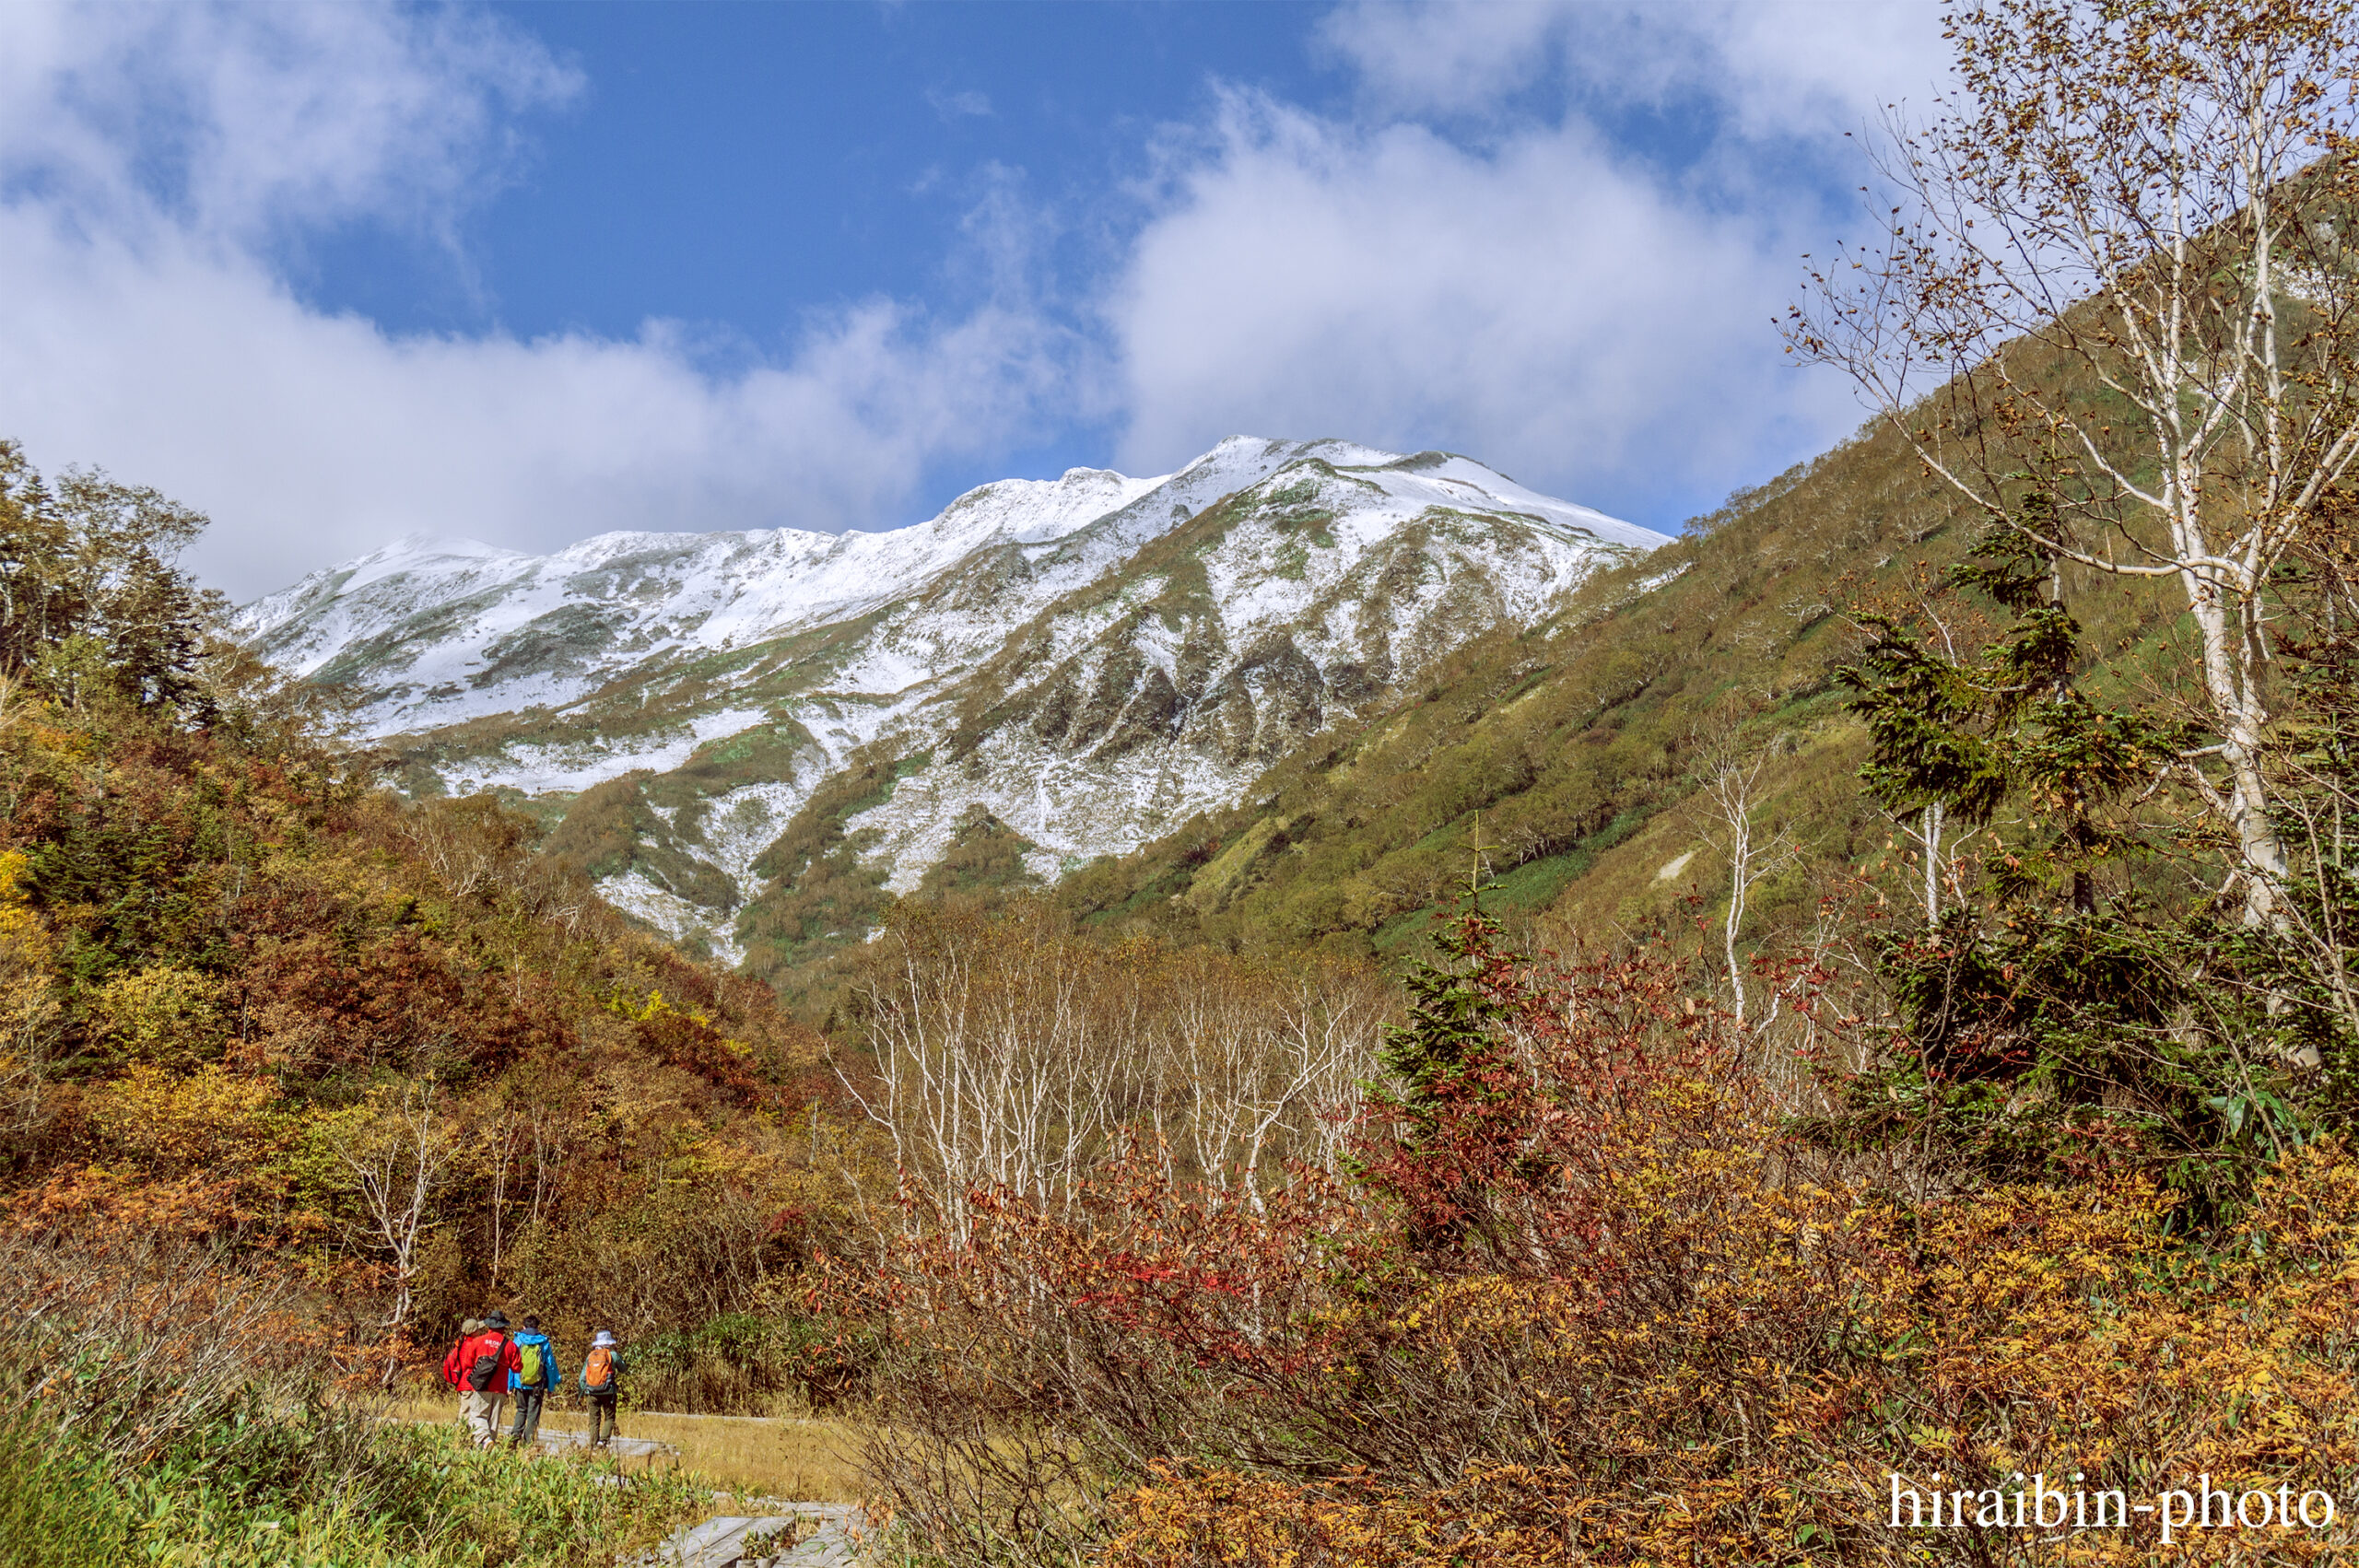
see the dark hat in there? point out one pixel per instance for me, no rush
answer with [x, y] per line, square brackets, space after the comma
[495, 1318]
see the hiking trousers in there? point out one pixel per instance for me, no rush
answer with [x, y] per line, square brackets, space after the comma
[602, 1420]
[482, 1413]
[528, 1416]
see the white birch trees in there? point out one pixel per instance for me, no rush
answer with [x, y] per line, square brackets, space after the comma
[2113, 307]
[1728, 797]
[1008, 1055]
[393, 1150]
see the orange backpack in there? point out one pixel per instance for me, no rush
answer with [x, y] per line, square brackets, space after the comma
[598, 1372]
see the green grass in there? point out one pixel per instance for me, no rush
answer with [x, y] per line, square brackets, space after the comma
[1535, 883]
[322, 1486]
[1394, 938]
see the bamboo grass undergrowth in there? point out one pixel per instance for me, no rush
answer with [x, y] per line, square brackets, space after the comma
[324, 1487]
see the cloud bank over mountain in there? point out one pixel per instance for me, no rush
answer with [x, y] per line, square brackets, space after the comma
[1472, 247]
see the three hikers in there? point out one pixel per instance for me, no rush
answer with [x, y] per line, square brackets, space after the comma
[486, 1365]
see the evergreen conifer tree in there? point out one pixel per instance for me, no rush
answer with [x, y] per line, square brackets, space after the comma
[1454, 1015]
[2048, 1020]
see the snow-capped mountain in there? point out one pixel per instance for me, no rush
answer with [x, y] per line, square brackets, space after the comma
[1077, 665]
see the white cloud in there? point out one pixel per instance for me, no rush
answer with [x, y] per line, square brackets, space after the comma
[238, 123]
[969, 103]
[311, 439]
[1428, 268]
[156, 164]
[1538, 302]
[1593, 317]
[1452, 59]
[1775, 69]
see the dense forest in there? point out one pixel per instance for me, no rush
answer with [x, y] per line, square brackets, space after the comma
[1850, 1016]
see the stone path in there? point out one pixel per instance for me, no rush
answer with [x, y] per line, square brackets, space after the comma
[802, 1535]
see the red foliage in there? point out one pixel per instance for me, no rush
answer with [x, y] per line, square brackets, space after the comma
[695, 1046]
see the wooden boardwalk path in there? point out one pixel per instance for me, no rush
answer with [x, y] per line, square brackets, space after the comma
[621, 1447]
[799, 1535]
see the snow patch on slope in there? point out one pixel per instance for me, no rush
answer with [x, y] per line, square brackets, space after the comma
[742, 823]
[634, 894]
[570, 766]
[1071, 810]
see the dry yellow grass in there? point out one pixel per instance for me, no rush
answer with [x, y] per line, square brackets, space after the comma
[796, 1459]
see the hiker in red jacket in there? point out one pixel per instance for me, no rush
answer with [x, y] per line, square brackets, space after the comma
[479, 1366]
[450, 1370]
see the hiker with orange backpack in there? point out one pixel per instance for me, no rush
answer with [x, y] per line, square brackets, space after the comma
[535, 1376]
[479, 1366]
[602, 1380]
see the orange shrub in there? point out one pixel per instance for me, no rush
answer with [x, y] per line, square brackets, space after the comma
[1602, 1309]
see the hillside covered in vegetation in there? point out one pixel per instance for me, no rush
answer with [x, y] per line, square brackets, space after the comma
[296, 1075]
[1835, 1046]
[1576, 752]
[239, 971]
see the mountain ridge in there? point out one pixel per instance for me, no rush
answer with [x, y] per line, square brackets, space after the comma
[1084, 661]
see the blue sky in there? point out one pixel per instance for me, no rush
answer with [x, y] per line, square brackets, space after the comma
[526, 273]
[733, 166]
[724, 163]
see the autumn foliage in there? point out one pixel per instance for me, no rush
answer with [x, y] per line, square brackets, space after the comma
[246, 996]
[1190, 1238]
[1584, 1297]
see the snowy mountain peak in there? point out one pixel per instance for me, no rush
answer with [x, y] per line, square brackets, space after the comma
[1037, 509]
[1080, 662]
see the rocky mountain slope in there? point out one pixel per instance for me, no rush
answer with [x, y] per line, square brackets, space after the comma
[1048, 672]
[1572, 747]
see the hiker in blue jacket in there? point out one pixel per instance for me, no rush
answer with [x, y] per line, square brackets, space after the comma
[534, 1378]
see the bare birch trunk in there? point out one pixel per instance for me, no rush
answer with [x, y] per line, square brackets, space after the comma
[2139, 208]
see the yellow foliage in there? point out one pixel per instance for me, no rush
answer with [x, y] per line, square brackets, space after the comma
[28, 1009]
[1744, 1383]
[162, 1014]
[1499, 1515]
[195, 1153]
[209, 1120]
[656, 1008]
